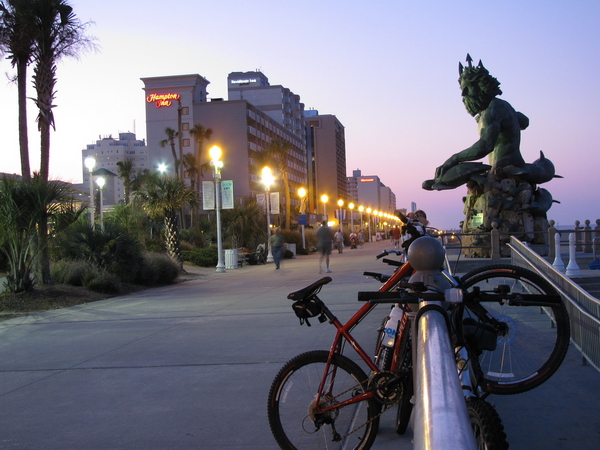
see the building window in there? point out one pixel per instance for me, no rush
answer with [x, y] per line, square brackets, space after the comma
[185, 110]
[185, 126]
[186, 142]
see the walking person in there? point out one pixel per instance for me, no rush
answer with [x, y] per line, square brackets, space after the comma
[396, 236]
[361, 238]
[277, 242]
[339, 240]
[324, 246]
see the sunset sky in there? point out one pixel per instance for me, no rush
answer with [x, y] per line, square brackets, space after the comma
[387, 69]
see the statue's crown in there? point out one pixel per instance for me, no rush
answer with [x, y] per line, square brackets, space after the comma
[471, 71]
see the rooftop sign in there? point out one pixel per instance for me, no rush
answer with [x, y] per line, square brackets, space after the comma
[161, 100]
[244, 81]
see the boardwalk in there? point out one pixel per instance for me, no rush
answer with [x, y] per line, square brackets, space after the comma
[189, 367]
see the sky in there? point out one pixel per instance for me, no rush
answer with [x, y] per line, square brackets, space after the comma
[387, 69]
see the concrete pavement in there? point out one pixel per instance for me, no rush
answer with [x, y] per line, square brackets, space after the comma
[189, 366]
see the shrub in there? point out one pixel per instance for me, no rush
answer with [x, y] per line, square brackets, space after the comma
[100, 280]
[157, 269]
[203, 257]
[155, 245]
[107, 248]
[193, 237]
[292, 237]
[71, 272]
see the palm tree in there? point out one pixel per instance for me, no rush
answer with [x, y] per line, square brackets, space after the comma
[201, 134]
[126, 172]
[58, 33]
[170, 140]
[190, 166]
[244, 224]
[276, 153]
[163, 196]
[16, 39]
[23, 206]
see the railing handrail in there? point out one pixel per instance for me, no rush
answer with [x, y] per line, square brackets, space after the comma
[441, 417]
[584, 309]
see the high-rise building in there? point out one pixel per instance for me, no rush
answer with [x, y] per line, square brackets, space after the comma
[278, 102]
[369, 191]
[326, 151]
[239, 128]
[108, 152]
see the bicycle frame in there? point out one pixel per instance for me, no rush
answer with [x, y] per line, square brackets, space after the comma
[344, 332]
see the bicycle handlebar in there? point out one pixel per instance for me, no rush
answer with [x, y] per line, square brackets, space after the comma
[387, 252]
[378, 276]
[393, 262]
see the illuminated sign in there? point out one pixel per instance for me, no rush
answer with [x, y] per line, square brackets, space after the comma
[366, 180]
[248, 80]
[161, 100]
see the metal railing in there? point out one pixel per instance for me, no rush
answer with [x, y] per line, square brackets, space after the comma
[584, 309]
[441, 419]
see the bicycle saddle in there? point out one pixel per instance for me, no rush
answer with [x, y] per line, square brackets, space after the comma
[310, 290]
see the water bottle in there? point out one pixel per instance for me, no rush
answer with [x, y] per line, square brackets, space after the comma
[391, 327]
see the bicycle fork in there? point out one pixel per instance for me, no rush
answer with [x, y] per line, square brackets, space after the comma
[463, 366]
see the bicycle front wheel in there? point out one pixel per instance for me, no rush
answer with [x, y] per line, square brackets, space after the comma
[486, 424]
[538, 333]
[294, 416]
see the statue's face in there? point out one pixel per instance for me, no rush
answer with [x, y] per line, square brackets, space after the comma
[478, 92]
[474, 98]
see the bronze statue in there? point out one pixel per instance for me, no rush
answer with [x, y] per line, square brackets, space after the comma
[505, 191]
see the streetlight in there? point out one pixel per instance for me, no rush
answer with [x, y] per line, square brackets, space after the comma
[268, 179]
[351, 206]
[369, 218]
[324, 199]
[340, 204]
[302, 194]
[90, 162]
[215, 155]
[361, 208]
[101, 181]
[162, 167]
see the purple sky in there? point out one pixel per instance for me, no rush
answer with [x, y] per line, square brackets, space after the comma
[387, 69]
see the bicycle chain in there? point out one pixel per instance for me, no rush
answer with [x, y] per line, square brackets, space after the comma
[373, 418]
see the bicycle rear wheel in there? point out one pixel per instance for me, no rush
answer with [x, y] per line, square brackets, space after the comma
[538, 334]
[291, 405]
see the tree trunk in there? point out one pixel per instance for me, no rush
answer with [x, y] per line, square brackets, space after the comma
[172, 237]
[23, 138]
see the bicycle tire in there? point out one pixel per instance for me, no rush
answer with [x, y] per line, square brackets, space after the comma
[486, 424]
[293, 391]
[537, 340]
[405, 406]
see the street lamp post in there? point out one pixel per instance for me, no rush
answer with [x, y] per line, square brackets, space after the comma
[267, 179]
[340, 204]
[90, 162]
[302, 194]
[215, 155]
[101, 181]
[369, 219]
[324, 199]
[361, 208]
[351, 207]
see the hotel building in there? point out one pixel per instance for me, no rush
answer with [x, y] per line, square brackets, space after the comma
[239, 128]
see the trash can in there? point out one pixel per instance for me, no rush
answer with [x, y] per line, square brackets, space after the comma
[292, 248]
[231, 258]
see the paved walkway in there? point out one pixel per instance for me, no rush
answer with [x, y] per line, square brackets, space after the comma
[189, 366]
